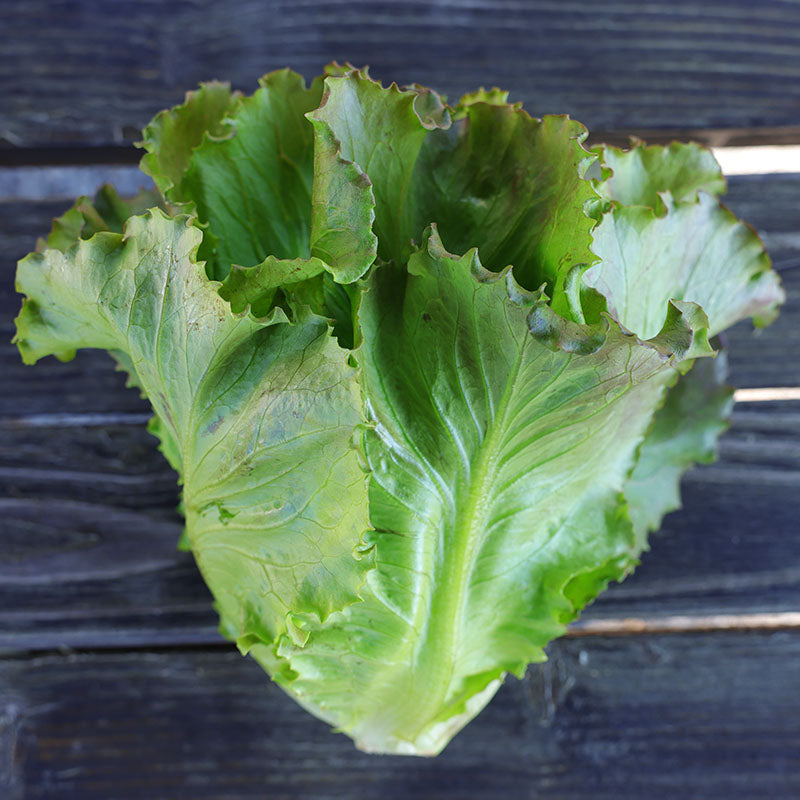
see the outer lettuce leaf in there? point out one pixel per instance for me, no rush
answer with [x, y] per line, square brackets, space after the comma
[665, 236]
[107, 211]
[692, 249]
[684, 432]
[172, 136]
[259, 417]
[642, 172]
[497, 468]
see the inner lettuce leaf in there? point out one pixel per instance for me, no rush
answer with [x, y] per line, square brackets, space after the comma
[489, 175]
[494, 481]
[429, 374]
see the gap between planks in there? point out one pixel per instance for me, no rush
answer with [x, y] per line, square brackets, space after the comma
[778, 621]
[767, 394]
[39, 181]
[765, 137]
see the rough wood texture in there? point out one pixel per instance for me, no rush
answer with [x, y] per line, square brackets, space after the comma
[87, 385]
[89, 522]
[92, 72]
[712, 716]
[154, 705]
[89, 535]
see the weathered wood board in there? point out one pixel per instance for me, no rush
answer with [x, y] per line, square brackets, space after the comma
[114, 682]
[710, 716]
[93, 73]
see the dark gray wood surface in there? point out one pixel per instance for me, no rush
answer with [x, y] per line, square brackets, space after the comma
[114, 682]
[713, 716]
[91, 72]
[88, 503]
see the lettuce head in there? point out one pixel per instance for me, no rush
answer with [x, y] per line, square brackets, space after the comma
[429, 373]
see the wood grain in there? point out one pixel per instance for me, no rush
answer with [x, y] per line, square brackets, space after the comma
[712, 716]
[771, 204]
[89, 523]
[90, 531]
[114, 682]
[91, 73]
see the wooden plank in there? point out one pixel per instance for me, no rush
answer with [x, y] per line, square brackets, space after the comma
[89, 526]
[769, 357]
[88, 385]
[91, 74]
[63, 184]
[113, 465]
[89, 530]
[770, 204]
[711, 716]
[81, 575]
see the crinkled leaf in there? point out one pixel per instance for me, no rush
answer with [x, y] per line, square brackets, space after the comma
[245, 166]
[255, 287]
[258, 417]
[512, 186]
[430, 108]
[495, 178]
[684, 432]
[696, 251]
[253, 188]
[642, 172]
[172, 136]
[342, 209]
[493, 96]
[336, 301]
[292, 284]
[684, 334]
[107, 211]
[360, 127]
[497, 465]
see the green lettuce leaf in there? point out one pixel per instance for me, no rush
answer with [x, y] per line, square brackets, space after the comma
[664, 236]
[641, 173]
[684, 432]
[244, 166]
[686, 246]
[429, 374]
[497, 467]
[258, 417]
[107, 211]
[253, 187]
[171, 138]
[489, 175]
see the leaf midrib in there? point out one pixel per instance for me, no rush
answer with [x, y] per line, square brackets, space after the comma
[447, 607]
